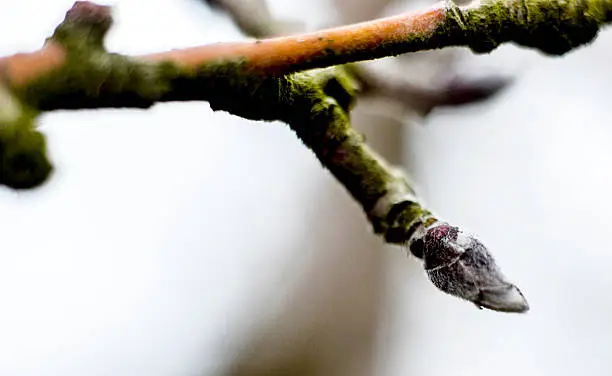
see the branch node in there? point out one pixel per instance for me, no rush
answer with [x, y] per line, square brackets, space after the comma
[85, 24]
[551, 26]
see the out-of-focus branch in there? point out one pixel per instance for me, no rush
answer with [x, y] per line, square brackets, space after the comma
[422, 100]
[254, 18]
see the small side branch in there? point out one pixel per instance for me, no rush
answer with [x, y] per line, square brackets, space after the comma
[456, 263]
[315, 105]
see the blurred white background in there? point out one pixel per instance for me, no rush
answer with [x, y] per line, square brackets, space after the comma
[178, 241]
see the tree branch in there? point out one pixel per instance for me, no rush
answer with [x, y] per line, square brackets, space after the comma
[254, 80]
[552, 26]
[254, 19]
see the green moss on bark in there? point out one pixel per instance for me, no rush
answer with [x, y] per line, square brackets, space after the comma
[23, 154]
[554, 27]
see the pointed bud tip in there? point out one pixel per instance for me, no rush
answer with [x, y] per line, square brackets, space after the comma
[506, 298]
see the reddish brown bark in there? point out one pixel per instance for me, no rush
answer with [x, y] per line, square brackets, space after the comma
[268, 56]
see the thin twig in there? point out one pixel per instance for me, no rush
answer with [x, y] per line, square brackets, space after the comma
[254, 18]
[422, 100]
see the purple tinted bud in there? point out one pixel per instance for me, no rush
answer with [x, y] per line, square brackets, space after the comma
[461, 265]
[435, 256]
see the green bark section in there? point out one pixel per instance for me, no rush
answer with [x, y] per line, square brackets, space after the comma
[554, 27]
[23, 152]
[315, 104]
